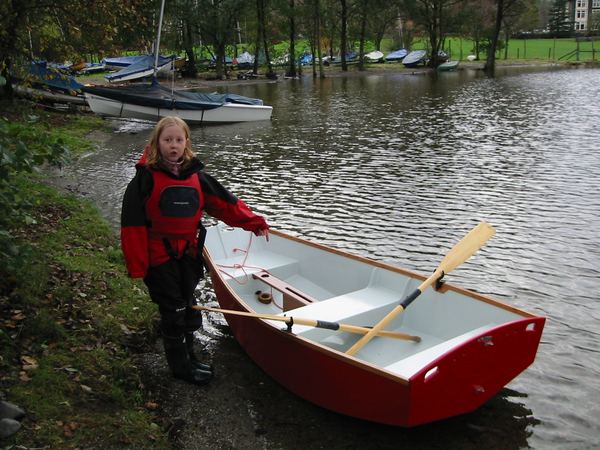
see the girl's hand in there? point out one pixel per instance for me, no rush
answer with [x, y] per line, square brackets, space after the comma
[263, 232]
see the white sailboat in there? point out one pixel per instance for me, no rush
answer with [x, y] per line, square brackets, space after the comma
[154, 101]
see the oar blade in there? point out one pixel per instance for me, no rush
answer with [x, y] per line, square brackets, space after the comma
[467, 246]
[462, 251]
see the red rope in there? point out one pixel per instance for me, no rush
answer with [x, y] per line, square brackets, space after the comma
[243, 266]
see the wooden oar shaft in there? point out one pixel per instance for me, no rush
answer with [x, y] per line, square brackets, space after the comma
[462, 251]
[311, 323]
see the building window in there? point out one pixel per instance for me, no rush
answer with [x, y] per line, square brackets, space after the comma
[595, 3]
[581, 14]
[581, 3]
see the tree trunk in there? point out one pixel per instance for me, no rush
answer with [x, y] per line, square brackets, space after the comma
[190, 66]
[292, 68]
[490, 62]
[363, 30]
[343, 37]
[317, 18]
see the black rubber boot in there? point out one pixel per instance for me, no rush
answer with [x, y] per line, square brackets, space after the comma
[194, 360]
[179, 362]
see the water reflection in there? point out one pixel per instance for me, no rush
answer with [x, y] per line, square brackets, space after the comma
[398, 168]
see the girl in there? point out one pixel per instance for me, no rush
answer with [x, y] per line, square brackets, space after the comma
[162, 236]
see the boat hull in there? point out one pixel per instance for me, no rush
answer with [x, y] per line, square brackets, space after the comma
[228, 113]
[457, 381]
[448, 66]
[415, 58]
[119, 77]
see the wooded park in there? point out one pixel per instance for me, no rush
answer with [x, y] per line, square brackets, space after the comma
[214, 30]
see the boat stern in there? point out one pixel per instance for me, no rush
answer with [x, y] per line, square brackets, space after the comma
[463, 380]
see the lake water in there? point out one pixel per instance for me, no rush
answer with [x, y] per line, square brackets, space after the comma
[398, 168]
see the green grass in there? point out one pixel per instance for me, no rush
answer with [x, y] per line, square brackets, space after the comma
[71, 322]
[564, 49]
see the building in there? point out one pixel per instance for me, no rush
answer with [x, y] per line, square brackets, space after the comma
[584, 14]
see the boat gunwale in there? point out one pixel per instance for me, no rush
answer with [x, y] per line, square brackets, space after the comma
[383, 265]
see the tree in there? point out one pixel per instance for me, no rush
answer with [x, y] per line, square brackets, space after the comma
[434, 16]
[316, 50]
[388, 15]
[503, 7]
[64, 30]
[478, 23]
[184, 18]
[595, 22]
[344, 34]
[261, 36]
[292, 23]
[217, 24]
[363, 8]
[559, 23]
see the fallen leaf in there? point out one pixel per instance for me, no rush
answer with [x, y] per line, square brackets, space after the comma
[151, 405]
[23, 376]
[28, 363]
[86, 388]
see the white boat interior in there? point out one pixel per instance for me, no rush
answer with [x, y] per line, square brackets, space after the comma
[310, 282]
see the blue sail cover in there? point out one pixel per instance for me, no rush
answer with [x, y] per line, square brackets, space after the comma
[157, 96]
[123, 61]
[51, 77]
[397, 55]
[140, 64]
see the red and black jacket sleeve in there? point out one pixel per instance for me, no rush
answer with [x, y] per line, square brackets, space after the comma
[223, 205]
[134, 229]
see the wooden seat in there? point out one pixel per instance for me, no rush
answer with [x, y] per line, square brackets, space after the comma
[292, 297]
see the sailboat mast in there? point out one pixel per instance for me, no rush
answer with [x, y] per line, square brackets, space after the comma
[157, 46]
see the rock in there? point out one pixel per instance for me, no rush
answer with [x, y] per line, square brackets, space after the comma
[10, 411]
[8, 427]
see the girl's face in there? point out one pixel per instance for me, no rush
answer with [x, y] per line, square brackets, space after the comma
[171, 143]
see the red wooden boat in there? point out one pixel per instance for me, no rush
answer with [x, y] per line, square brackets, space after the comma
[445, 355]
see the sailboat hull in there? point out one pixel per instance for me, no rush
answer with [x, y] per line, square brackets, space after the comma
[227, 113]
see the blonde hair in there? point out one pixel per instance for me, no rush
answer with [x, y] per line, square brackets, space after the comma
[153, 156]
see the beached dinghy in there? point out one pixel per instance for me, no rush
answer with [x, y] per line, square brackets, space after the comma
[337, 329]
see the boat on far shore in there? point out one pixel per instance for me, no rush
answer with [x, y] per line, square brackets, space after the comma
[415, 58]
[374, 56]
[396, 55]
[448, 66]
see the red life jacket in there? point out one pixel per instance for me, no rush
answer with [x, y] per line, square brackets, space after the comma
[174, 210]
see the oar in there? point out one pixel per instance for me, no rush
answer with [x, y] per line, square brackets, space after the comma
[462, 251]
[311, 323]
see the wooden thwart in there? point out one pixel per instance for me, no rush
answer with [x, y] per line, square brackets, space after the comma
[292, 297]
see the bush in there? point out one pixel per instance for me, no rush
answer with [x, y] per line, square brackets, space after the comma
[24, 147]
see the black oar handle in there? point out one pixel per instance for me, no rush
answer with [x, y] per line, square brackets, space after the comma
[327, 325]
[410, 298]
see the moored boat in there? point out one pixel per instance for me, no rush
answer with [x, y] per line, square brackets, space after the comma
[142, 67]
[397, 55]
[374, 56]
[415, 58]
[447, 354]
[448, 66]
[154, 101]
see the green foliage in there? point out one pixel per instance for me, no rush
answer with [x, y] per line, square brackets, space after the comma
[23, 149]
[79, 318]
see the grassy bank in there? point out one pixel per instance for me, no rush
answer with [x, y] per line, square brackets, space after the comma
[71, 320]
